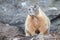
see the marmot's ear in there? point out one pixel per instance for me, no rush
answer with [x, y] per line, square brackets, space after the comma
[36, 6]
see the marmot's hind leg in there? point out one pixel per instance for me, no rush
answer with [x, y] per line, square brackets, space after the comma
[27, 33]
[30, 32]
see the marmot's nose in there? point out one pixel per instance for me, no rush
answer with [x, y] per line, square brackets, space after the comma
[37, 31]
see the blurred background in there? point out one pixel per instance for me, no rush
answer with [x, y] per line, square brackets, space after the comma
[13, 14]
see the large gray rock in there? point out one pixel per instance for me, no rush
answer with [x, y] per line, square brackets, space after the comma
[54, 14]
[40, 37]
[9, 31]
[11, 15]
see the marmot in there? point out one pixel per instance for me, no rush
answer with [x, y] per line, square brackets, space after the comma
[36, 22]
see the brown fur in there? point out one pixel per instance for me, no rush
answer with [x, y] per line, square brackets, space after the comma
[36, 24]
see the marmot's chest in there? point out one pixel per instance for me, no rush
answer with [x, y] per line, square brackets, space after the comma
[36, 21]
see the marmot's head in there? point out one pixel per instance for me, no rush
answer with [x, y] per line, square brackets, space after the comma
[33, 10]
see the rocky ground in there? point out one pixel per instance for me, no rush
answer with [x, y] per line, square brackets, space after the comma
[13, 14]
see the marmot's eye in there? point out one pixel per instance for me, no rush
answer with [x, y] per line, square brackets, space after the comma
[35, 6]
[29, 9]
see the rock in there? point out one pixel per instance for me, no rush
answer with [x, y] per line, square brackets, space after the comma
[10, 15]
[40, 37]
[9, 31]
[55, 22]
[58, 29]
[52, 12]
